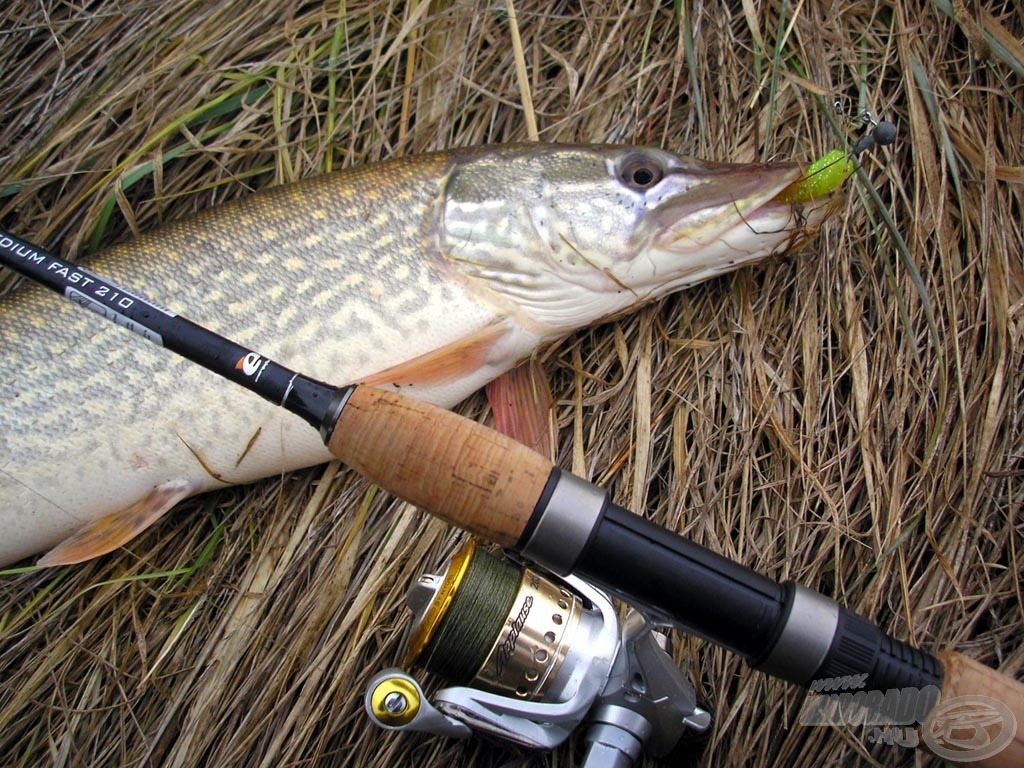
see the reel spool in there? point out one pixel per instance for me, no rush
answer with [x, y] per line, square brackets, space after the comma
[532, 657]
[497, 627]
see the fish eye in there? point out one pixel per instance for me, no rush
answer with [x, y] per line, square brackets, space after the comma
[640, 172]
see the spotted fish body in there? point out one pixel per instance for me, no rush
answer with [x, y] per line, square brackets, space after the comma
[431, 274]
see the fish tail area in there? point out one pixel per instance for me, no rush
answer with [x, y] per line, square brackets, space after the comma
[523, 407]
[107, 533]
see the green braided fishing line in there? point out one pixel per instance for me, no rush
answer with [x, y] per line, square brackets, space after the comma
[474, 619]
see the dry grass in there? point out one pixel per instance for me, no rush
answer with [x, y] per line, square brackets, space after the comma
[849, 417]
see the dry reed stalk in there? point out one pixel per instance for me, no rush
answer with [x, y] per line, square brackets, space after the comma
[849, 417]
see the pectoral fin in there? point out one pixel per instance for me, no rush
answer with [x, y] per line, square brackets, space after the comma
[445, 364]
[520, 399]
[523, 407]
[107, 533]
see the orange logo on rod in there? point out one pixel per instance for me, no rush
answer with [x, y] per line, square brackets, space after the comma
[249, 364]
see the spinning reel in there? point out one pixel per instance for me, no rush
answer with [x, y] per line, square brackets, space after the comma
[531, 658]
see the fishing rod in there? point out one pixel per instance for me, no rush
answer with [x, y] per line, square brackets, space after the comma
[500, 490]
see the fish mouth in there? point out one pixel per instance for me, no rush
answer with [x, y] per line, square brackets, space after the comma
[740, 203]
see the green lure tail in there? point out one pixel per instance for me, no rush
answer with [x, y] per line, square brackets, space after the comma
[823, 177]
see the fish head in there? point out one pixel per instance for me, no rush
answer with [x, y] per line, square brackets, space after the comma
[569, 235]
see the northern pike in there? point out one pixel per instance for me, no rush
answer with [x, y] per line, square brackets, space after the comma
[432, 275]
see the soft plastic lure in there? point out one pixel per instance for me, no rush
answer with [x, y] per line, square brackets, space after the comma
[823, 177]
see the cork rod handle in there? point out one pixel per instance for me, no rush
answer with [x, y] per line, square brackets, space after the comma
[979, 710]
[452, 467]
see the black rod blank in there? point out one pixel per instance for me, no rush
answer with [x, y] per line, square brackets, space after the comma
[316, 402]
